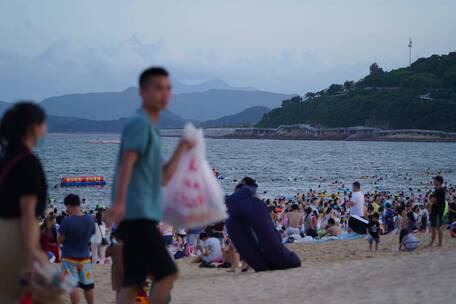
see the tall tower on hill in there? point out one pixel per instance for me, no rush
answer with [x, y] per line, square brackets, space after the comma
[410, 51]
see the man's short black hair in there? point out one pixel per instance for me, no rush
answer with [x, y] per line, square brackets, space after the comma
[331, 221]
[357, 185]
[203, 235]
[439, 179]
[72, 200]
[248, 181]
[146, 75]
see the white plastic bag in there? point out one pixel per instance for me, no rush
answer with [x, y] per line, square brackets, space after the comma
[193, 197]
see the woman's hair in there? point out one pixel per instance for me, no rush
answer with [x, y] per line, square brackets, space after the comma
[98, 218]
[17, 121]
[203, 235]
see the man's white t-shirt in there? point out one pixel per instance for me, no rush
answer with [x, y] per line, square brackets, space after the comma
[214, 246]
[358, 200]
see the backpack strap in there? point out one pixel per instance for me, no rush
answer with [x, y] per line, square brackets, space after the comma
[11, 165]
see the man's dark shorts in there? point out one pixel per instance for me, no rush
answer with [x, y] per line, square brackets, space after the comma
[144, 253]
[437, 217]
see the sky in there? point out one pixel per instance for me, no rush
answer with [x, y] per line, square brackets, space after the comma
[55, 47]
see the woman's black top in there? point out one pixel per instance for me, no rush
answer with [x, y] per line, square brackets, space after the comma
[21, 174]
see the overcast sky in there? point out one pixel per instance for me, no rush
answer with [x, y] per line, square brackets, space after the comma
[57, 47]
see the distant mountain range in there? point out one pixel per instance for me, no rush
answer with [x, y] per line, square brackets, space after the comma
[197, 106]
[248, 117]
[213, 84]
[57, 124]
[214, 104]
[210, 100]
[73, 124]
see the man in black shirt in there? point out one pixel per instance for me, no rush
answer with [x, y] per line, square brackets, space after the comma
[437, 200]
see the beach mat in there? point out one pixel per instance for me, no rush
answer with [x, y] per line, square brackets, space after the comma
[344, 236]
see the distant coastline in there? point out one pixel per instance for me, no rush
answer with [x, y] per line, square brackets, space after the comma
[307, 132]
[295, 132]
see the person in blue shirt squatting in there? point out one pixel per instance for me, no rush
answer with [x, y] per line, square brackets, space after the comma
[137, 192]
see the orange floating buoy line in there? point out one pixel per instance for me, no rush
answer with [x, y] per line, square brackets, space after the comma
[82, 181]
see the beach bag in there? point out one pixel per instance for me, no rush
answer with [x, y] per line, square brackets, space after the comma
[411, 242]
[104, 241]
[193, 197]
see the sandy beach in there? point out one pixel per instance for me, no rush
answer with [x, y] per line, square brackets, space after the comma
[335, 272]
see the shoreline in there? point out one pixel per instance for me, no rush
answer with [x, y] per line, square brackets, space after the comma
[282, 138]
[304, 132]
[267, 134]
[329, 138]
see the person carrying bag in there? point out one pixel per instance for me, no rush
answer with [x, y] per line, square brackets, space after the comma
[23, 198]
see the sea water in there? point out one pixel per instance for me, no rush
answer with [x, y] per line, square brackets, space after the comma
[281, 167]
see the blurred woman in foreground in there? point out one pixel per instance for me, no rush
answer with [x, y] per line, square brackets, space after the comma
[23, 196]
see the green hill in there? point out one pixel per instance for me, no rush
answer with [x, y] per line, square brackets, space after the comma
[422, 96]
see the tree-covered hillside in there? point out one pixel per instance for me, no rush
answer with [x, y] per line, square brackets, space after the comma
[422, 96]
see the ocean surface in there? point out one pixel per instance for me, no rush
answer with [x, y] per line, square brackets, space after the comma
[282, 168]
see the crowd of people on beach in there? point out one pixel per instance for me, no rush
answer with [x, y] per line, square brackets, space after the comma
[317, 214]
[142, 249]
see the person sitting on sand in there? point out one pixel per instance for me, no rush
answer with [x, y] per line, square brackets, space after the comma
[373, 230]
[295, 220]
[453, 230]
[310, 223]
[253, 232]
[409, 242]
[212, 251]
[326, 217]
[217, 231]
[332, 229]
